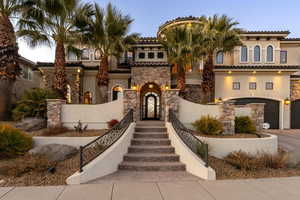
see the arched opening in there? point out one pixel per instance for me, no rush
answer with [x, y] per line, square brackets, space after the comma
[150, 102]
[88, 98]
[116, 93]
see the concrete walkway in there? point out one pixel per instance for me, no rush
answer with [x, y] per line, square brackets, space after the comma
[260, 189]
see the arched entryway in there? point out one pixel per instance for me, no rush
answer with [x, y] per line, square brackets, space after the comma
[295, 114]
[271, 110]
[150, 102]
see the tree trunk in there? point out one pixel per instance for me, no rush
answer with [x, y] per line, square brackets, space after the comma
[102, 78]
[181, 78]
[208, 81]
[60, 79]
[9, 67]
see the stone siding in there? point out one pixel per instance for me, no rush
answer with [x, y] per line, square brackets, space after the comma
[193, 93]
[171, 99]
[295, 90]
[257, 114]
[54, 112]
[227, 117]
[142, 75]
[130, 98]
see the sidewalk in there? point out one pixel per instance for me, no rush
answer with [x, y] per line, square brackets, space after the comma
[260, 189]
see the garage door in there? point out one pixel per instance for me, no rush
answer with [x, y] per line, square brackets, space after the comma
[271, 114]
[295, 114]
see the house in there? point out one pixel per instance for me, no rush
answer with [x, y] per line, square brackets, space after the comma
[265, 69]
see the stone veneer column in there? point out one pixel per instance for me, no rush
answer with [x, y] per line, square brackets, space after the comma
[257, 114]
[171, 101]
[130, 98]
[54, 112]
[228, 116]
[295, 90]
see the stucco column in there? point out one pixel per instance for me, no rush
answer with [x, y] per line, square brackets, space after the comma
[228, 116]
[257, 114]
[171, 101]
[54, 113]
[130, 98]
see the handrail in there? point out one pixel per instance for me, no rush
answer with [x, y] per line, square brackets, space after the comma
[99, 145]
[197, 146]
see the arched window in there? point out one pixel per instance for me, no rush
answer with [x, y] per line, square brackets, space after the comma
[257, 53]
[116, 93]
[220, 57]
[72, 56]
[244, 54]
[97, 55]
[85, 54]
[69, 94]
[270, 53]
[87, 98]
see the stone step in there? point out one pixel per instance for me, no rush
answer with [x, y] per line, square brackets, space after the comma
[151, 123]
[152, 166]
[150, 135]
[149, 157]
[151, 149]
[150, 141]
[150, 129]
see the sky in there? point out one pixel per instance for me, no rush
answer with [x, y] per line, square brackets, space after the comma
[148, 15]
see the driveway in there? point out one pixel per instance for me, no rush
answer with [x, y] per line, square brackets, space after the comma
[288, 140]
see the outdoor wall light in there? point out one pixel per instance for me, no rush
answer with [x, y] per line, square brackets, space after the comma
[134, 87]
[287, 101]
[254, 72]
[279, 72]
[229, 72]
[78, 70]
[219, 100]
[167, 87]
[150, 86]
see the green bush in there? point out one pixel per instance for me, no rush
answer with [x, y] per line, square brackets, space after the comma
[244, 125]
[13, 142]
[33, 103]
[209, 126]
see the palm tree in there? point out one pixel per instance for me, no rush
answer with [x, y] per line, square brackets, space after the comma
[184, 47]
[107, 33]
[9, 67]
[220, 33]
[55, 21]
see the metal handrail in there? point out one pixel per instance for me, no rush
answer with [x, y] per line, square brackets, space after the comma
[99, 145]
[189, 138]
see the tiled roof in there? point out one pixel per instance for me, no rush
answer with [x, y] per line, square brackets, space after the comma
[69, 64]
[295, 76]
[177, 20]
[266, 32]
[150, 64]
[148, 40]
[119, 71]
[251, 67]
[291, 39]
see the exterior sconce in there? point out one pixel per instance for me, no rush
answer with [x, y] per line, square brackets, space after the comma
[78, 70]
[279, 72]
[229, 72]
[134, 87]
[287, 101]
[254, 72]
[150, 86]
[219, 100]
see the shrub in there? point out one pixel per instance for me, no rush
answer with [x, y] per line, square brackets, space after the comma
[13, 142]
[57, 130]
[29, 163]
[246, 161]
[112, 123]
[209, 126]
[33, 103]
[244, 125]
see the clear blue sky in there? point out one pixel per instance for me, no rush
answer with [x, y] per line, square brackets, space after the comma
[148, 15]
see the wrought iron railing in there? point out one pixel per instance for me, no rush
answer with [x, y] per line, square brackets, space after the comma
[187, 136]
[96, 147]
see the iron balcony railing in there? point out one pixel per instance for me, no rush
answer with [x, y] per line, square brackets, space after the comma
[197, 146]
[96, 147]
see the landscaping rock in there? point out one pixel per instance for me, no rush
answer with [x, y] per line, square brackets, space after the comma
[55, 152]
[31, 124]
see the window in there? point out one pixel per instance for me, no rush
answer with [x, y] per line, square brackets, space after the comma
[270, 53]
[72, 56]
[85, 54]
[219, 58]
[283, 57]
[236, 86]
[97, 55]
[26, 73]
[160, 55]
[252, 86]
[269, 85]
[141, 55]
[244, 54]
[151, 55]
[87, 98]
[257, 54]
[117, 92]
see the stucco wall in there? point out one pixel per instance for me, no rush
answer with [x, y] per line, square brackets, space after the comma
[95, 116]
[71, 141]
[221, 147]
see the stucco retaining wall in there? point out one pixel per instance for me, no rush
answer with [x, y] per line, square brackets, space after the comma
[71, 141]
[95, 116]
[221, 147]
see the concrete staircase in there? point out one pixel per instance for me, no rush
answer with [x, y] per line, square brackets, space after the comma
[151, 150]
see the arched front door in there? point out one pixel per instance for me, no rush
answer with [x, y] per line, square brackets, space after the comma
[150, 102]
